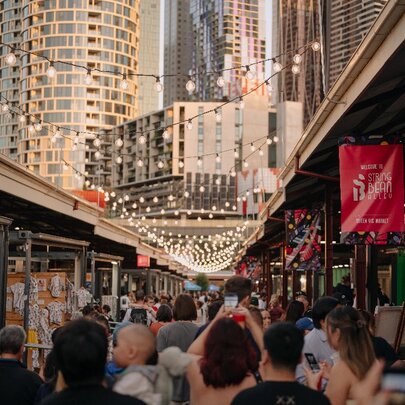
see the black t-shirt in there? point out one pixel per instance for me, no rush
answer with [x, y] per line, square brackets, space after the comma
[383, 350]
[280, 392]
[89, 395]
[17, 384]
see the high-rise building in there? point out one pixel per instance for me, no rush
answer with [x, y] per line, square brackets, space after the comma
[347, 22]
[178, 45]
[227, 34]
[149, 54]
[295, 24]
[157, 163]
[95, 34]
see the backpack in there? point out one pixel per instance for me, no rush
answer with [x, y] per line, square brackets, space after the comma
[139, 315]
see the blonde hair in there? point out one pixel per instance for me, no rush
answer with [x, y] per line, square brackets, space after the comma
[355, 345]
[274, 300]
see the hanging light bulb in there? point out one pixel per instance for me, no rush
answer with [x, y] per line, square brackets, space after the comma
[218, 158]
[275, 139]
[171, 197]
[97, 155]
[234, 207]
[295, 69]
[210, 216]
[316, 46]
[57, 133]
[160, 164]
[218, 181]
[189, 125]
[297, 58]
[5, 107]
[241, 103]
[181, 164]
[190, 85]
[220, 81]
[186, 194]
[158, 85]
[277, 66]
[269, 141]
[51, 71]
[162, 211]
[38, 126]
[202, 189]
[97, 142]
[155, 199]
[236, 153]
[118, 160]
[23, 119]
[261, 153]
[214, 207]
[142, 140]
[9, 116]
[166, 134]
[141, 199]
[124, 83]
[252, 147]
[176, 213]
[245, 163]
[119, 143]
[88, 79]
[188, 212]
[249, 74]
[134, 206]
[269, 87]
[11, 59]
[199, 162]
[139, 163]
[233, 173]
[199, 219]
[218, 115]
[148, 209]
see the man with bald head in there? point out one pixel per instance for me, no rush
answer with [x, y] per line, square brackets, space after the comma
[135, 345]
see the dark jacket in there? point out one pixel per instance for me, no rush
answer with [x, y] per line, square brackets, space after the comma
[17, 384]
[89, 395]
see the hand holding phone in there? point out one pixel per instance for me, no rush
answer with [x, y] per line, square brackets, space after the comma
[313, 364]
[231, 301]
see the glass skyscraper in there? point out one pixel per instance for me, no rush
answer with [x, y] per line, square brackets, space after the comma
[96, 34]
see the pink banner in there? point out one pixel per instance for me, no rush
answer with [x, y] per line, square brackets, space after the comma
[372, 188]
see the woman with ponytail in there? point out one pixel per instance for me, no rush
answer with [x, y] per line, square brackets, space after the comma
[348, 335]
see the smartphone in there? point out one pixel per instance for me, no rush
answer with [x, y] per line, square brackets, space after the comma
[393, 380]
[312, 362]
[231, 301]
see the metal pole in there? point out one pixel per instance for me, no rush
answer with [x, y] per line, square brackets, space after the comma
[328, 242]
[93, 276]
[4, 224]
[27, 282]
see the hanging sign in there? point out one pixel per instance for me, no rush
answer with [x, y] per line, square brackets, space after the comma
[303, 231]
[372, 188]
[142, 261]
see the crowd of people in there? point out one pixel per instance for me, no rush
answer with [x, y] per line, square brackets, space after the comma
[202, 350]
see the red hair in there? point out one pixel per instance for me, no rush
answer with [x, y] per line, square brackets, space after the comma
[228, 355]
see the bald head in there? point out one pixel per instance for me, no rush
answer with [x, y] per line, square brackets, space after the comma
[140, 338]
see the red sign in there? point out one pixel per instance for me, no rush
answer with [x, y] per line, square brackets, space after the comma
[372, 188]
[142, 261]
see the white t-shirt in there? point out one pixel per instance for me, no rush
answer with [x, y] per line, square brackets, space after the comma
[124, 302]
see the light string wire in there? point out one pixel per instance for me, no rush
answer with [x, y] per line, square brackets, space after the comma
[35, 118]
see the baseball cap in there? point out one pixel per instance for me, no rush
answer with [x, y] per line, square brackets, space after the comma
[300, 293]
[304, 324]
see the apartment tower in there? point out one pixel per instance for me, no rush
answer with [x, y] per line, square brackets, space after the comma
[102, 35]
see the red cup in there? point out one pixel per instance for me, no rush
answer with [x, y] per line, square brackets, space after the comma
[239, 318]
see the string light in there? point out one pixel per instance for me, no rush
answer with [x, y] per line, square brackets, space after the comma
[236, 153]
[190, 85]
[11, 59]
[316, 46]
[189, 125]
[158, 85]
[38, 126]
[295, 69]
[166, 134]
[181, 164]
[51, 71]
[275, 139]
[142, 140]
[97, 155]
[220, 82]
[23, 119]
[241, 103]
[245, 163]
[160, 164]
[119, 143]
[88, 79]
[97, 142]
[277, 66]
[218, 158]
[249, 74]
[5, 107]
[155, 200]
[261, 153]
[297, 58]
[118, 160]
[124, 85]
[252, 147]
[218, 115]
[199, 162]
[269, 86]
[139, 163]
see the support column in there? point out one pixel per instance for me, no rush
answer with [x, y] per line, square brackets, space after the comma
[157, 283]
[360, 275]
[27, 283]
[309, 290]
[116, 286]
[372, 277]
[4, 242]
[285, 277]
[165, 283]
[148, 281]
[328, 242]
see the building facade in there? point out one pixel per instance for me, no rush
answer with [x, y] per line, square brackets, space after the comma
[149, 54]
[178, 45]
[227, 34]
[295, 24]
[202, 158]
[95, 34]
[347, 24]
